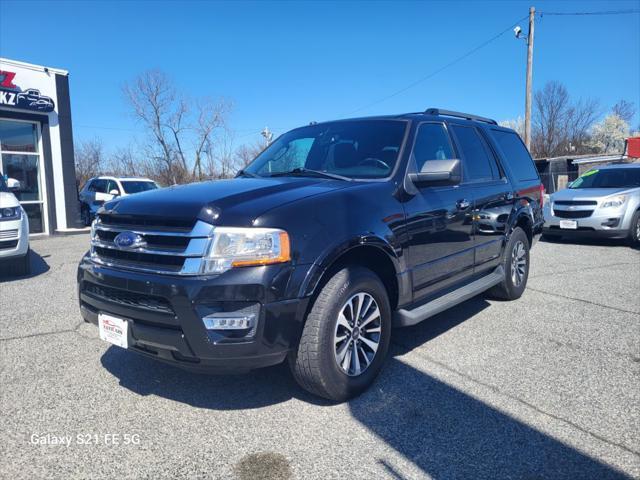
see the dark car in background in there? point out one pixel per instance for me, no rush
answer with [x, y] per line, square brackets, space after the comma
[335, 233]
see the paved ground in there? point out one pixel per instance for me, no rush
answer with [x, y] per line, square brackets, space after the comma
[545, 387]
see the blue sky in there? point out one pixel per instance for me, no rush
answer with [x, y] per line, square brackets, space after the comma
[284, 64]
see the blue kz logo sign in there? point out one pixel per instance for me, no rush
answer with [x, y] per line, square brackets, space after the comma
[31, 99]
[129, 240]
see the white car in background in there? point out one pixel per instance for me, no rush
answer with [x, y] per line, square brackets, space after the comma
[14, 231]
[104, 188]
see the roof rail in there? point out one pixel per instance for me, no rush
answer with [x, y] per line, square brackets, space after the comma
[466, 116]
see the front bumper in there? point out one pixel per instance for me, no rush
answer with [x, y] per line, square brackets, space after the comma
[14, 238]
[164, 313]
[601, 223]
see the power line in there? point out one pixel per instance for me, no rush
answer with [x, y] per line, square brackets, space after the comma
[444, 67]
[605, 12]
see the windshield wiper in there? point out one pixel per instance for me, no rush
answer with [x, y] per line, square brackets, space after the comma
[311, 172]
[244, 173]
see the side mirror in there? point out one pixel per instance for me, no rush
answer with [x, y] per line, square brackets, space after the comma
[13, 184]
[438, 172]
[114, 192]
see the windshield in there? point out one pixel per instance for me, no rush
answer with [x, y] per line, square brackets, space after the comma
[609, 178]
[354, 149]
[3, 185]
[134, 186]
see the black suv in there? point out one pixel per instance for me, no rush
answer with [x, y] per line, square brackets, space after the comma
[334, 234]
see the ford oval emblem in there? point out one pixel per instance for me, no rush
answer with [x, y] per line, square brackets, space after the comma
[129, 240]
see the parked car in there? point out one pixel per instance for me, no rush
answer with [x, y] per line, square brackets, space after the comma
[333, 234]
[14, 231]
[104, 188]
[602, 203]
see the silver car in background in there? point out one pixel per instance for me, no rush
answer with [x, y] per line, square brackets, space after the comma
[604, 202]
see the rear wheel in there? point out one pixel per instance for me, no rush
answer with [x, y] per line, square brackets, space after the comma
[516, 267]
[634, 230]
[346, 336]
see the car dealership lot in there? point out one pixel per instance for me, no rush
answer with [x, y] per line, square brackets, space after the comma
[544, 387]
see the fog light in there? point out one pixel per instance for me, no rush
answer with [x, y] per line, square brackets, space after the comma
[611, 223]
[218, 321]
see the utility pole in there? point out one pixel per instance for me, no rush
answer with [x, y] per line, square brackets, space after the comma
[267, 134]
[527, 104]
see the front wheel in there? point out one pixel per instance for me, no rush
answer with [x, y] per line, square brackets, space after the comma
[346, 336]
[516, 267]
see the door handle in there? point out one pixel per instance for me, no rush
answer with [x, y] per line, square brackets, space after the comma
[463, 204]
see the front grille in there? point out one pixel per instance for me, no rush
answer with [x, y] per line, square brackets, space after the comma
[163, 246]
[6, 234]
[576, 202]
[147, 222]
[127, 298]
[7, 245]
[572, 213]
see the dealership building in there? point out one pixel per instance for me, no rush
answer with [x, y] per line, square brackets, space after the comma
[36, 144]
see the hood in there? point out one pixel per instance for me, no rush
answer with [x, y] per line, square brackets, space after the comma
[588, 193]
[8, 199]
[238, 201]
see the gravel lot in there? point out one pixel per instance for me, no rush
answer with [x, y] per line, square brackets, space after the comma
[545, 387]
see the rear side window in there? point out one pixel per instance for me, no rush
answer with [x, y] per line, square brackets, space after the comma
[516, 155]
[477, 163]
[432, 143]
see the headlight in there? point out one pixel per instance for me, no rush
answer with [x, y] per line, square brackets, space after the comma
[10, 213]
[242, 247]
[614, 201]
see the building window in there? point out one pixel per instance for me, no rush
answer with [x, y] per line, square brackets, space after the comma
[22, 160]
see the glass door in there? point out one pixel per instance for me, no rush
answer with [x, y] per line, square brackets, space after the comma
[21, 152]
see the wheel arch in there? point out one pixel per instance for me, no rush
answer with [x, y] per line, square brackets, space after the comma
[369, 252]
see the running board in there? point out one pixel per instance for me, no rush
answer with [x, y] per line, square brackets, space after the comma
[406, 318]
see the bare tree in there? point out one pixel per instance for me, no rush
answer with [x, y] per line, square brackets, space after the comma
[89, 159]
[625, 110]
[154, 102]
[211, 120]
[246, 153]
[178, 128]
[561, 126]
[123, 163]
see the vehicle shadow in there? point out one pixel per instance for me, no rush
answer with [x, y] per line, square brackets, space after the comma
[600, 242]
[38, 267]
[443, 431]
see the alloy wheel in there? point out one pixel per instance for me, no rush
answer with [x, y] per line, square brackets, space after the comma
[518, 263]
[358, 333]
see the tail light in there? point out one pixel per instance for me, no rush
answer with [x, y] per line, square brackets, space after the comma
[541, 195]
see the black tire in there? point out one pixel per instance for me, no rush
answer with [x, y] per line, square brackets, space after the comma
[314, 363]
[86, 215]
[509, 288]
[634, 230]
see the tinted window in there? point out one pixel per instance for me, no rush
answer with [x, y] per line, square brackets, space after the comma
[516, 155]
[356, 149]
[18, 136]
[476, 162]
[432, 143]
[609, 178]
[134, 186]
[99, 186]
[112, 185]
